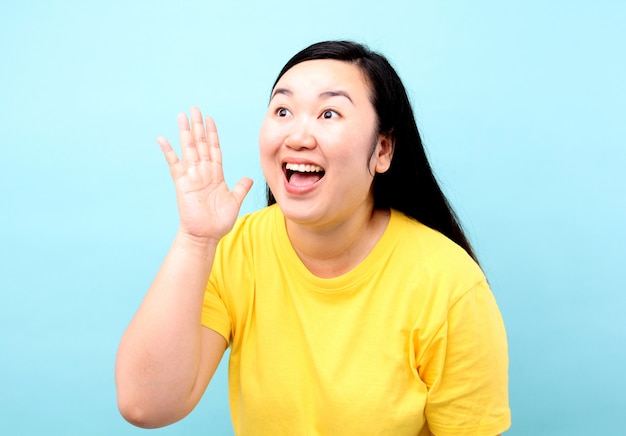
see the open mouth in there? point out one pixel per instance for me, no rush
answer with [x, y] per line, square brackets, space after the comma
[302, 174]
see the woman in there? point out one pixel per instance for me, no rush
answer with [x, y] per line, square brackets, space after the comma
[352, 304]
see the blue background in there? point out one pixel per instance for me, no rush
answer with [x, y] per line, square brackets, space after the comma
[521, 106]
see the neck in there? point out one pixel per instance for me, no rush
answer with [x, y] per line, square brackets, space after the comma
[330, 251]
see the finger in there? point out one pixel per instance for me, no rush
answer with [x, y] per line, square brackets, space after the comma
[187, 143]
[170, 156]
[198, 133]
[214, 150]
[241, 189]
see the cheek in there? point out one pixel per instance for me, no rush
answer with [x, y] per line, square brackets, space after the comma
[264, 141]
[265, 157]
[268, 146]
[269, 136]
[263, 133]
[354, 150]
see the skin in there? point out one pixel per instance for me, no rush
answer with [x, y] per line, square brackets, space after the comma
[321, 115]
[166, 358]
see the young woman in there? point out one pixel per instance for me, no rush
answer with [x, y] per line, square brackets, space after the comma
[353, 304]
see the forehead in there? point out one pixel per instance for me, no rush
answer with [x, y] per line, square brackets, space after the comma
[325, 74]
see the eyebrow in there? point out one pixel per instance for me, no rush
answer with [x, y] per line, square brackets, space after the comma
[283, 91]
[339, 93]
[325, 94]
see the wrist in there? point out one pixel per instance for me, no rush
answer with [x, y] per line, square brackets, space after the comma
[198, 245]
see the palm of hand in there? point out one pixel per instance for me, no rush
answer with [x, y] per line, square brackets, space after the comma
[206, 206]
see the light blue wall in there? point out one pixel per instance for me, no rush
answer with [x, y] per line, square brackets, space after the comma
[522, 108]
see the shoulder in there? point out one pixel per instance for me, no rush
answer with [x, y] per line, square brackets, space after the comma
[436, 262]
[253, 225]
[431, 248]
[258, 217]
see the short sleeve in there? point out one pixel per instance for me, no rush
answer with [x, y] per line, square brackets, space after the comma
[229, 290]
[215, 313]
[466, 369]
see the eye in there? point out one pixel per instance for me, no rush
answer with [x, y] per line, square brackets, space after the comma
[328, 114]
[282, 112]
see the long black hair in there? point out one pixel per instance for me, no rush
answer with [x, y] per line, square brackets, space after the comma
[409, 184]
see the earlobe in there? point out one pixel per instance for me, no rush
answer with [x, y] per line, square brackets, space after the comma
[385, 153]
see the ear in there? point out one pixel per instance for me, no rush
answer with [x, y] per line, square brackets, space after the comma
[384, 153]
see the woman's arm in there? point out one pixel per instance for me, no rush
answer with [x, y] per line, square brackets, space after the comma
[166, 358]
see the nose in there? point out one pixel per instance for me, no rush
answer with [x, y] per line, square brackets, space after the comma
[300, 135]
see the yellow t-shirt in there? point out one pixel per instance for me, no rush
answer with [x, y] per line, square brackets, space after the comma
[411, 335]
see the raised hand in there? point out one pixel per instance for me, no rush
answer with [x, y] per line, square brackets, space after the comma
[206, 206]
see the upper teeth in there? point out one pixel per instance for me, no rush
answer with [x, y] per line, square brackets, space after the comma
[303, 168]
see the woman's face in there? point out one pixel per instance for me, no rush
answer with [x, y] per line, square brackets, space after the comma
[316, 143]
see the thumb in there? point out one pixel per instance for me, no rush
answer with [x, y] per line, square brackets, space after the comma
[241, 189]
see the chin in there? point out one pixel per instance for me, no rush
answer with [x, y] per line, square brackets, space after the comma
[298, 211]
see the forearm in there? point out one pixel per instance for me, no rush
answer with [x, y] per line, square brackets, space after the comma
[160, 354]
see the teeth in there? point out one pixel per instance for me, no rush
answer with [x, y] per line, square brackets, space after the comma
[301, 168]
